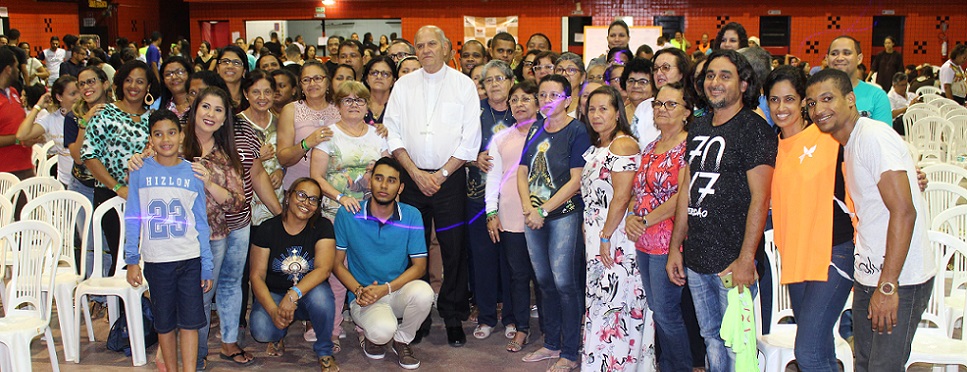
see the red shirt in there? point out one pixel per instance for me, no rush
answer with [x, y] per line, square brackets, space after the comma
[15, 157]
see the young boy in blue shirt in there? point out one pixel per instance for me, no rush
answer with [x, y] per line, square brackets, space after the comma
[166, 214]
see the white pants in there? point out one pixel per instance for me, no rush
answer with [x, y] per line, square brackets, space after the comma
[379, 321]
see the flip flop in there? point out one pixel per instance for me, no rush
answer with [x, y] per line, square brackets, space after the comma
[236, 354]
[541, 354]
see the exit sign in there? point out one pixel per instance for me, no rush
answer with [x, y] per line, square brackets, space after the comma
[320, 12]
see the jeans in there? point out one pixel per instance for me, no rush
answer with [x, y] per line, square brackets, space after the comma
[664, 299]
[520, 275]
[411, 303]
[228, 257]
[218, 255]
[816, 306]
[316, 306]
[88, 193]
[491, 274]
[558, 262]
[882, 352]
[711, 298]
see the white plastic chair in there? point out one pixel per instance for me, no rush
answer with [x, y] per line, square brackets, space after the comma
[921, 105]
[912, 115]
[933, 343]
[950, 107]
[942, 101]
[50, 168]
[929, 133]
[779, 345]
[940, 197]
[115, 286]
[953, 222]
[927, 98]
[945, 173]
[61, 209]
[33, 245]
[39, 155]
[7, 180]
[958, 110]
[32, 188]
[928, 90]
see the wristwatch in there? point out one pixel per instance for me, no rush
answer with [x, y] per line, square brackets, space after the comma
[445, 173]
[887, 288]
[541, 211]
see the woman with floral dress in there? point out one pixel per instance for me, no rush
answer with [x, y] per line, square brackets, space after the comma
[616, 334]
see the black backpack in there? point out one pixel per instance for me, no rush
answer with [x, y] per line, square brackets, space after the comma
[118, 338]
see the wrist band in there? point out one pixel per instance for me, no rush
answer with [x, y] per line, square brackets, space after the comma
[38, 108]
[390, 288]
[492, 214]
[16, 141]
[117, 187]
[297, 291]
[605, 240]
[304, 146]
[339, 197]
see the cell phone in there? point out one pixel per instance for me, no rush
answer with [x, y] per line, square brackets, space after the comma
[727, 280]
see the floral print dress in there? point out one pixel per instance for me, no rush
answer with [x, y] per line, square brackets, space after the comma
[618, 330]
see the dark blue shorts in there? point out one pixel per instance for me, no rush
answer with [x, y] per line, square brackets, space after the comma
[176, 294]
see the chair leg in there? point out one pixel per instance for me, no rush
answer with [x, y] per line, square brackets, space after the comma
[132, 309]
[112, 310]
[87, 318]
[65, 316]
[20, 353]
[50, 350]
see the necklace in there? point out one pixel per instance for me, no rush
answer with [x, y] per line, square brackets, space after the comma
[503, 118]
[345, 128]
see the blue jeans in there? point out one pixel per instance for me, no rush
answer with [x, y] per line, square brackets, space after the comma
[711, 298]
[664, 299]
[882, 352]
[316, 306]
[558, 262]
[491, 273]
[514, 246]
[816, 306]
[228, 257]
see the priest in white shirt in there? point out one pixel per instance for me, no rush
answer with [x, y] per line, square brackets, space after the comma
[433, 118]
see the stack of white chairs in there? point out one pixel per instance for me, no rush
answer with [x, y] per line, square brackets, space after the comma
[39, 156]
[32, 188]
[931, 136]
[115, 287]
[928, 89]
[62, 210]
[953, 222]
[32, 246]
[945, 173]
[933, 342]
[941, 196]
[779, 345]
[930, 97]
[914, 114]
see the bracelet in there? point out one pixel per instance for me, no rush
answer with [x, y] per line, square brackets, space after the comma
[38, 108]
[605, 240]
[339, 197]
[117, 187]
[304, 146]
[356, 291]
[492, 213]
[390, 288]
[542, 212]
[297, 291]
[16, 141]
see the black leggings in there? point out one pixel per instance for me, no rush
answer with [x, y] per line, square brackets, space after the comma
[110, 224]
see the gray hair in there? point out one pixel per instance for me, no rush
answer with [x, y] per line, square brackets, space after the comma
[404, 42]
[500, 66]
[574, 58]
[760, 60]
[595, 63]
[439, 34]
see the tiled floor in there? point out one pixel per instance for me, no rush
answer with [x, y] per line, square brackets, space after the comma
[478, 355]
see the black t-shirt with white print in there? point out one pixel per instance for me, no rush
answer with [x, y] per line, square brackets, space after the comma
[719, 196]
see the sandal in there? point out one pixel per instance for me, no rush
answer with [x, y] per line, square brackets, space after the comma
[328, 364]
[541, 354]
[275, 349]
[482, 331]
[515, 346]
[336, 346]
[563, 365]
[510, 331]
[473, 313]
[240, 353]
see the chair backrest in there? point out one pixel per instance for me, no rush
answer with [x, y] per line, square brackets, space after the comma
[924, 106]
[928, 89]
[62, 210]
[929, 133]
[32, 245]
[927, 98]
[114, 205]
[7, 180]
[33, 187]
[946, 249]
[940, 102]
[6, 212]
[942, 196]
[954, 111]
[781, 303]
[50, 167]
[945, 173]
[950, 107]
[953, 221]
[912, 115]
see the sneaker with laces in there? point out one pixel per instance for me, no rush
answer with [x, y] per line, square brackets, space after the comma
[405, 354]
[372, 350]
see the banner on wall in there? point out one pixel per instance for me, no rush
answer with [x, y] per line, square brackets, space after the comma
[484, 28]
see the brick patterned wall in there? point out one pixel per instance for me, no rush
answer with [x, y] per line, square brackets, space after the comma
[37, 22]
[136, 19]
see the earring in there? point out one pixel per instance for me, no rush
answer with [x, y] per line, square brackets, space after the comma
[148, 99]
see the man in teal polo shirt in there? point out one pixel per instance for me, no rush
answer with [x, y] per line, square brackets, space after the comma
[384, 251]
[844, 54]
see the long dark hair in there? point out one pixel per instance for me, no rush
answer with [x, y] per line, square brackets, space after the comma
[60, 85]
[291, 191]
[224, 136]
[123, 73]
[750, 99]
[616, 102]
[739, 30]
[166, 95]
[372, 62]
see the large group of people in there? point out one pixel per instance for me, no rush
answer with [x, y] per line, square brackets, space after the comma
[306, 186]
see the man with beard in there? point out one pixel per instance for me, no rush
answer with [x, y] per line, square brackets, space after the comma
[731, 157]
[472, 55]
[377, 243]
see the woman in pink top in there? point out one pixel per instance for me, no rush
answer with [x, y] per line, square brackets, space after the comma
[505, 217]
[304, 124]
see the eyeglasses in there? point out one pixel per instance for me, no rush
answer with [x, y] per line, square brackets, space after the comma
[400, 55]
[668, 105]
[318, 79]
[632, 82]
[547, 68]
[495, 79]
[596, 77]
[525, 100]
[528, 64]
[551, 95]
[664, 68]
[614, 80]
[178, 72]
[349, 101]
[230, 62]
[566, 71]
[301, 196]
[380, 74]
[91, 82]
